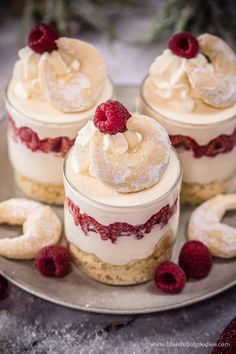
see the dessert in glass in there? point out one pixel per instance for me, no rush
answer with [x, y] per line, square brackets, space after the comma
[191, 91]
[122, 181]
[55, 87]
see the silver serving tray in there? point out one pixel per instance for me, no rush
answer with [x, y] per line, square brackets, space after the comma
[79, 291]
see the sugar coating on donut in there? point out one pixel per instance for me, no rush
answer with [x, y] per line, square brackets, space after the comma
[205, 225]
[216, 88]
[79, 90]
[137, 170]
[41, 227]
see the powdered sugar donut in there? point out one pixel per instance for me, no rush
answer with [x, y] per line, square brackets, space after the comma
[136, 170]
[217, 87]
[205, 226]
[77, 91]
[41, 227]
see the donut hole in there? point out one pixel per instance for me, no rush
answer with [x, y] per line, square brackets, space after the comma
[10, 231]
[229, 218]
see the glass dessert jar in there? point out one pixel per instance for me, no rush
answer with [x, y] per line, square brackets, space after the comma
[207, 150]
[190, 99]
[54, 90]
[120, 238]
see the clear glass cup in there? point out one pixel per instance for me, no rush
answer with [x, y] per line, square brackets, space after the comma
[37, 150]
[207, 152]
[116, 244]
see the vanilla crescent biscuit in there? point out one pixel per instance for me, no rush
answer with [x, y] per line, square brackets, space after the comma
[77, 91]
[205, 226]
[216, 88]
[138, 170]
[41, 227]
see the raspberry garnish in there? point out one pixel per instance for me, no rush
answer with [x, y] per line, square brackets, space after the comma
[53, 261]
[228, 336]
[42, 38]
[29, 138]
[111, 117]
[170, 278]
[184, 44]
[3, 288]
[195, 259]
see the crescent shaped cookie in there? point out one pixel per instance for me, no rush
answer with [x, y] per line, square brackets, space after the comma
[137, 170]
[77, 91]
[41, 227]
[205, 226]
[216, 88]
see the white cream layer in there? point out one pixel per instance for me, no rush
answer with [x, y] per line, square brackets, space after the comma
[202, 114]
[126, 248]
[207, 169]
[37, 108]
[100, 192]
[36, 165]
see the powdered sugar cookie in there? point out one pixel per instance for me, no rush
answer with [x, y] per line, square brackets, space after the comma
[79, 90]
[139, 169]
[41, 227]
[217, 87]
[205, 225]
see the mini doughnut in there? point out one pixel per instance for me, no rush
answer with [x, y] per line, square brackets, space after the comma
[205, 226]
[218, 87]
[41, 227]
[80, 90]
[139, 169]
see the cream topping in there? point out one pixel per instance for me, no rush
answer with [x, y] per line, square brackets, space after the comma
[117, 144]
[168, 74]
[26, 70]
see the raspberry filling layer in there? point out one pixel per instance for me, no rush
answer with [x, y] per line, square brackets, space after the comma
[31, 140]
[119, 229]
[219, 145]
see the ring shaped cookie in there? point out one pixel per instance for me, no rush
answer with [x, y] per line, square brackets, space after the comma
[216, 88]
[77, 91]
[41, 227]
[205, 226]
[137, 170]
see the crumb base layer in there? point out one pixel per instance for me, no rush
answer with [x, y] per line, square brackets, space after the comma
[47, 193]
[195, 193]
[134, 272]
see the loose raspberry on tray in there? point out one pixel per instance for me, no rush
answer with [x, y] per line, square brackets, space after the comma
[111, 117]
[195, 259]
[170, 278]
[42, 38]
[53, 261]
[184, 44]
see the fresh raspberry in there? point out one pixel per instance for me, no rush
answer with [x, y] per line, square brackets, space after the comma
[3, 288]
[53, 261]
[184, 44]
[170, 278]
[111, 117]
[29, 138]
[227, 337]
[195, 259]
[42, 38]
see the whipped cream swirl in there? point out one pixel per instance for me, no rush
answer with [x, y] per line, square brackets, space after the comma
[117, 144]
[26, 70]
[168, 74]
